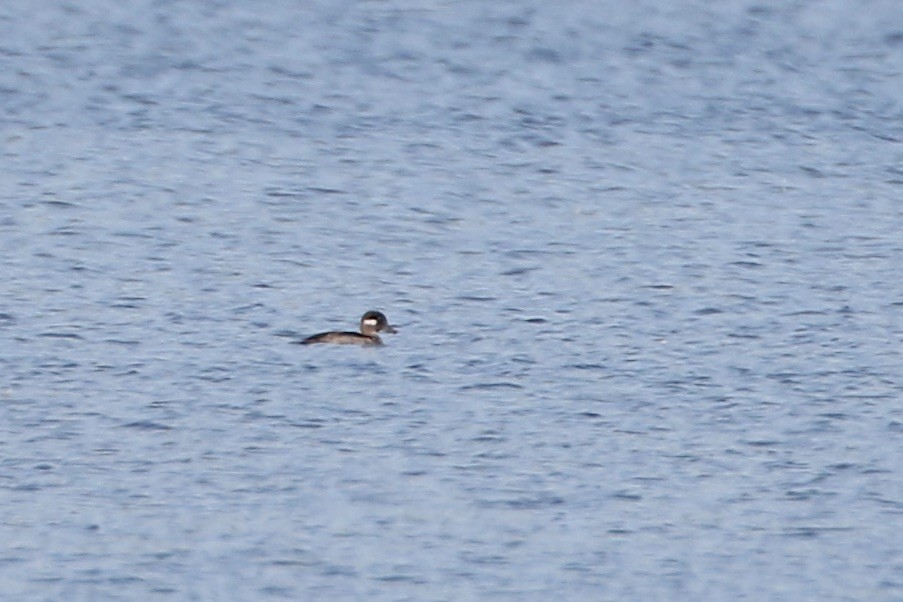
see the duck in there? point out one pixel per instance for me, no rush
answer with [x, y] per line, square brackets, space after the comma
[372, 322]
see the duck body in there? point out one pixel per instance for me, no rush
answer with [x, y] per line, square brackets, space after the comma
[342, 338]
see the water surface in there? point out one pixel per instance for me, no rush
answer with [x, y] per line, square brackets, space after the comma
[644, 260]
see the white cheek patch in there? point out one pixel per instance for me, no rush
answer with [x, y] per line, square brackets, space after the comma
[370, 322]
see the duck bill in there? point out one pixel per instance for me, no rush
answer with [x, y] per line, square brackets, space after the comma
[390, 329]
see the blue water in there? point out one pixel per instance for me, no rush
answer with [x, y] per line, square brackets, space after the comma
[644, 257]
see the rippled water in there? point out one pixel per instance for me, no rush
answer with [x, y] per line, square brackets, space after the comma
[645, 260]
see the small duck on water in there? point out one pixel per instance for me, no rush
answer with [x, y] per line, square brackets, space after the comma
[372, 322]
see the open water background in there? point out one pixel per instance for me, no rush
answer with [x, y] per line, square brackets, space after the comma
[645, 257]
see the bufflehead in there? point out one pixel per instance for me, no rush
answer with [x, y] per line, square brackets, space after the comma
[371, 323]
